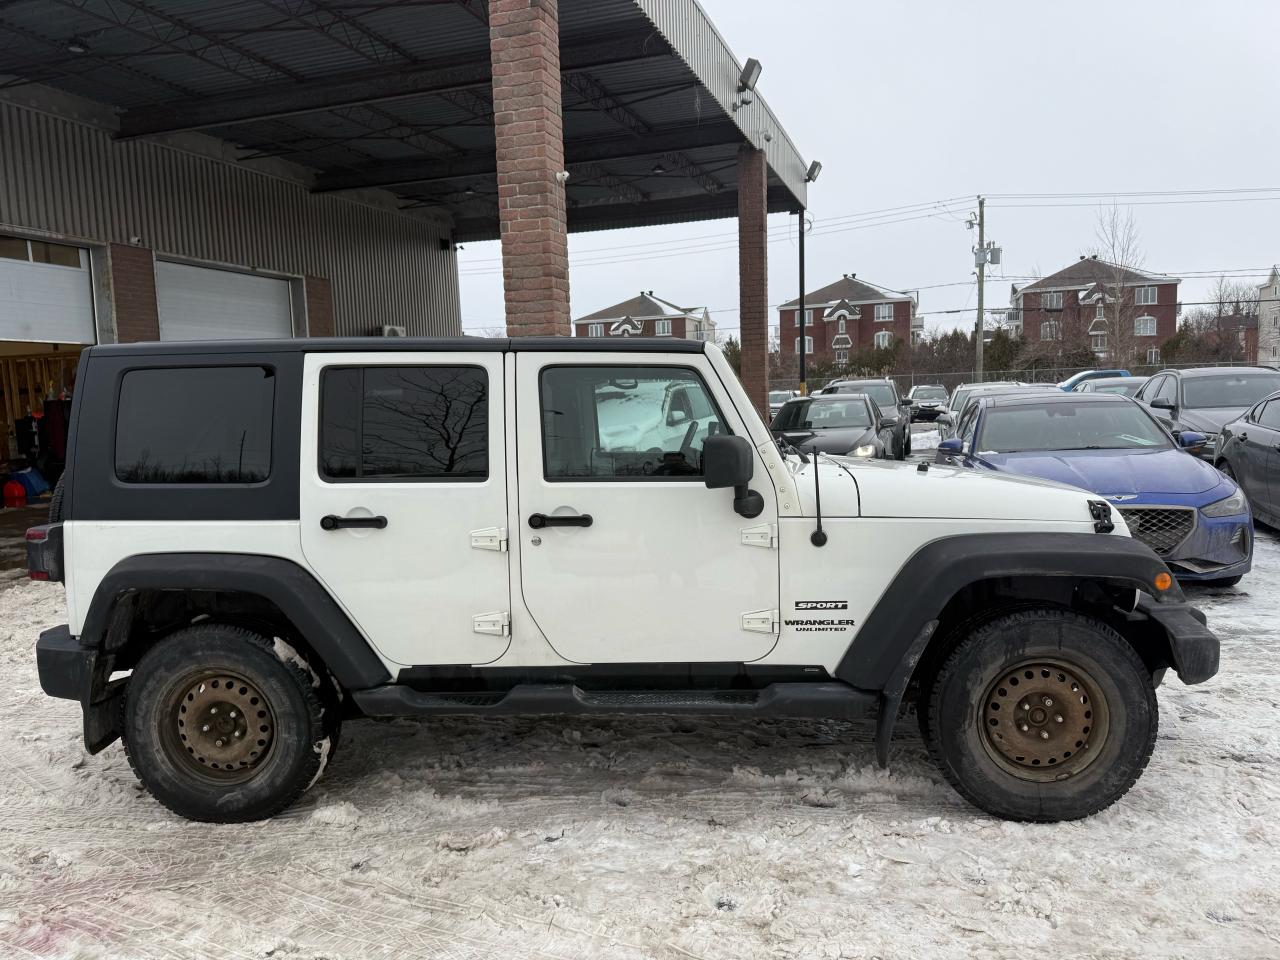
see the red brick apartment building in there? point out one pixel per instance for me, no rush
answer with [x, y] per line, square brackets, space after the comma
[847, 316]
[647, 316]
[1115, 307]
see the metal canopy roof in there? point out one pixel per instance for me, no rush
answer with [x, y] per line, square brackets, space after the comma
[397, 94]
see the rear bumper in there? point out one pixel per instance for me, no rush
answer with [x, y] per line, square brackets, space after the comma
[1194, 648]
[70, 671]
[66, 668]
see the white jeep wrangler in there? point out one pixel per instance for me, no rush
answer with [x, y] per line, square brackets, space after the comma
[260, 540]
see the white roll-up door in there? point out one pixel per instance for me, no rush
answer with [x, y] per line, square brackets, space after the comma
[203, 303]
[46, 293]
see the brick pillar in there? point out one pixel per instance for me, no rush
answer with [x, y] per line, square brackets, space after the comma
[133, 293]
[524, 46]
[753, 276]
[319, 296]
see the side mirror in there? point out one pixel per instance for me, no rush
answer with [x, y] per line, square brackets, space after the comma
[951, 447]
[1160, 403]
[905, 404]
[886, 422]
[1190, 440]
[944, 418]
[727, 461]
[676, 417]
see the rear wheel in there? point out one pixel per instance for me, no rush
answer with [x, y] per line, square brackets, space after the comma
[55, 501]
[1040, 715]
[221, 729]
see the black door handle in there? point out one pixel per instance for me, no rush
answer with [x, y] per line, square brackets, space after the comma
[330, 522]
[540, 520]
[1242, 437]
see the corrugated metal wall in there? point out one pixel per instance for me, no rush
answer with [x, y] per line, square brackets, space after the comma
[73, 179]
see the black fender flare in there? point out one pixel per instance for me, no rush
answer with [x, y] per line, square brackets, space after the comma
[886, 650]
[294, 590]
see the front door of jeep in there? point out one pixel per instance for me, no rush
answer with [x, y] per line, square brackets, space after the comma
[625, 555]
[403, 499]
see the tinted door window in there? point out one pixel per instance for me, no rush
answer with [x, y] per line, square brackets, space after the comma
[195, 425]
[625, 422]
[1148, 391]
[1270, 415]
[404, 423]
[1168, 389]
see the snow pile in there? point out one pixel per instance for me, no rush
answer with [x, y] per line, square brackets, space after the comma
[649, 838]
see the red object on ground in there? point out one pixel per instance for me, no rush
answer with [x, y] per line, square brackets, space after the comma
[15, 494]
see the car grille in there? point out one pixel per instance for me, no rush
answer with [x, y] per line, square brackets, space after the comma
[1161, 528]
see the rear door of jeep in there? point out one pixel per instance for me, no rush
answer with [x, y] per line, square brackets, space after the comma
[404, 500]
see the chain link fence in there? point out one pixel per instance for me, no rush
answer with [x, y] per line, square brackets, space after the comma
[906, 379]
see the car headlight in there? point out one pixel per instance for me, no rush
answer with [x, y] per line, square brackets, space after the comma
[1227, 506]
[867, 450]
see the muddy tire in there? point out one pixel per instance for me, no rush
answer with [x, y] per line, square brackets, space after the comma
[220, 729]
[1040, 715]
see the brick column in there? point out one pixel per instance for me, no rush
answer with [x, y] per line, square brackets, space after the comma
[753, 276]
[133, 293]
[319, 296]
[524, 46]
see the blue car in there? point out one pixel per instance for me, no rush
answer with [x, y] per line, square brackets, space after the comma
[1074, 381]
[1194, 517]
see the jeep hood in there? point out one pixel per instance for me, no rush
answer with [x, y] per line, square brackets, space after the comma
[889, 488]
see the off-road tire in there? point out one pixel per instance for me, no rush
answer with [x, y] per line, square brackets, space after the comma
[297, 748]
[55, 501]
[952, 710]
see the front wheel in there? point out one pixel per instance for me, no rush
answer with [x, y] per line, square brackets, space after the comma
[220, 727]
[1040, 715]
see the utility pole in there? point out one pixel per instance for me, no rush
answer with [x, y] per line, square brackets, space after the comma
[981, 259]
[804, 391]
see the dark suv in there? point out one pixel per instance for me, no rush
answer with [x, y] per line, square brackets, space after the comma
[1206, 399]
[893, 406]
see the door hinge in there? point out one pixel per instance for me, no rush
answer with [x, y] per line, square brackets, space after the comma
[493, 624]
[762, 535]
[490, 538]
[760, 621]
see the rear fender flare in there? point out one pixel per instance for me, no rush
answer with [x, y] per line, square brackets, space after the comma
[296, 592]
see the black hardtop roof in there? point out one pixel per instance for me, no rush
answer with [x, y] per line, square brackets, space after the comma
[830, 397]
[402, 345]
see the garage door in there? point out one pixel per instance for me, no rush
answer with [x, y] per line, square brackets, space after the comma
[201, 303]
[46, 295]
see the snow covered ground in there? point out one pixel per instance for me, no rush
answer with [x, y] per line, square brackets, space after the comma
[650, 838]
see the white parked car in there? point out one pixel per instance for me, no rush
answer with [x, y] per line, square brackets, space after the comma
[263, 540]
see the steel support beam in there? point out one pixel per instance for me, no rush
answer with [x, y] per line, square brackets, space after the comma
[462, 72]
[612, 215]
[601, 149]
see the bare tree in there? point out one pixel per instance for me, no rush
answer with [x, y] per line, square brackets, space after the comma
[1217, 328]
[1119, 251]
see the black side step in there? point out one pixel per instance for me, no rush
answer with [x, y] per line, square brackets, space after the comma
[830, 700]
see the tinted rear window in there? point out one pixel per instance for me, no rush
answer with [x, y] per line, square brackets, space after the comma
[404, 423]
[195, 425]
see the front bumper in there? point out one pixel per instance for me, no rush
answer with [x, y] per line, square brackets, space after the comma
[1218, 548]
[1193, 647]
[70, 671]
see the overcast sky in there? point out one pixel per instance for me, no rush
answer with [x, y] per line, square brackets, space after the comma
[907, 103]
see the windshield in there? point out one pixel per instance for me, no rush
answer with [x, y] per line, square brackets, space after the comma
[1069, 426]
[823, 415]
[881, 393]
[929, 393]
[1228, 390]
[959, 399]
[779, 396]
